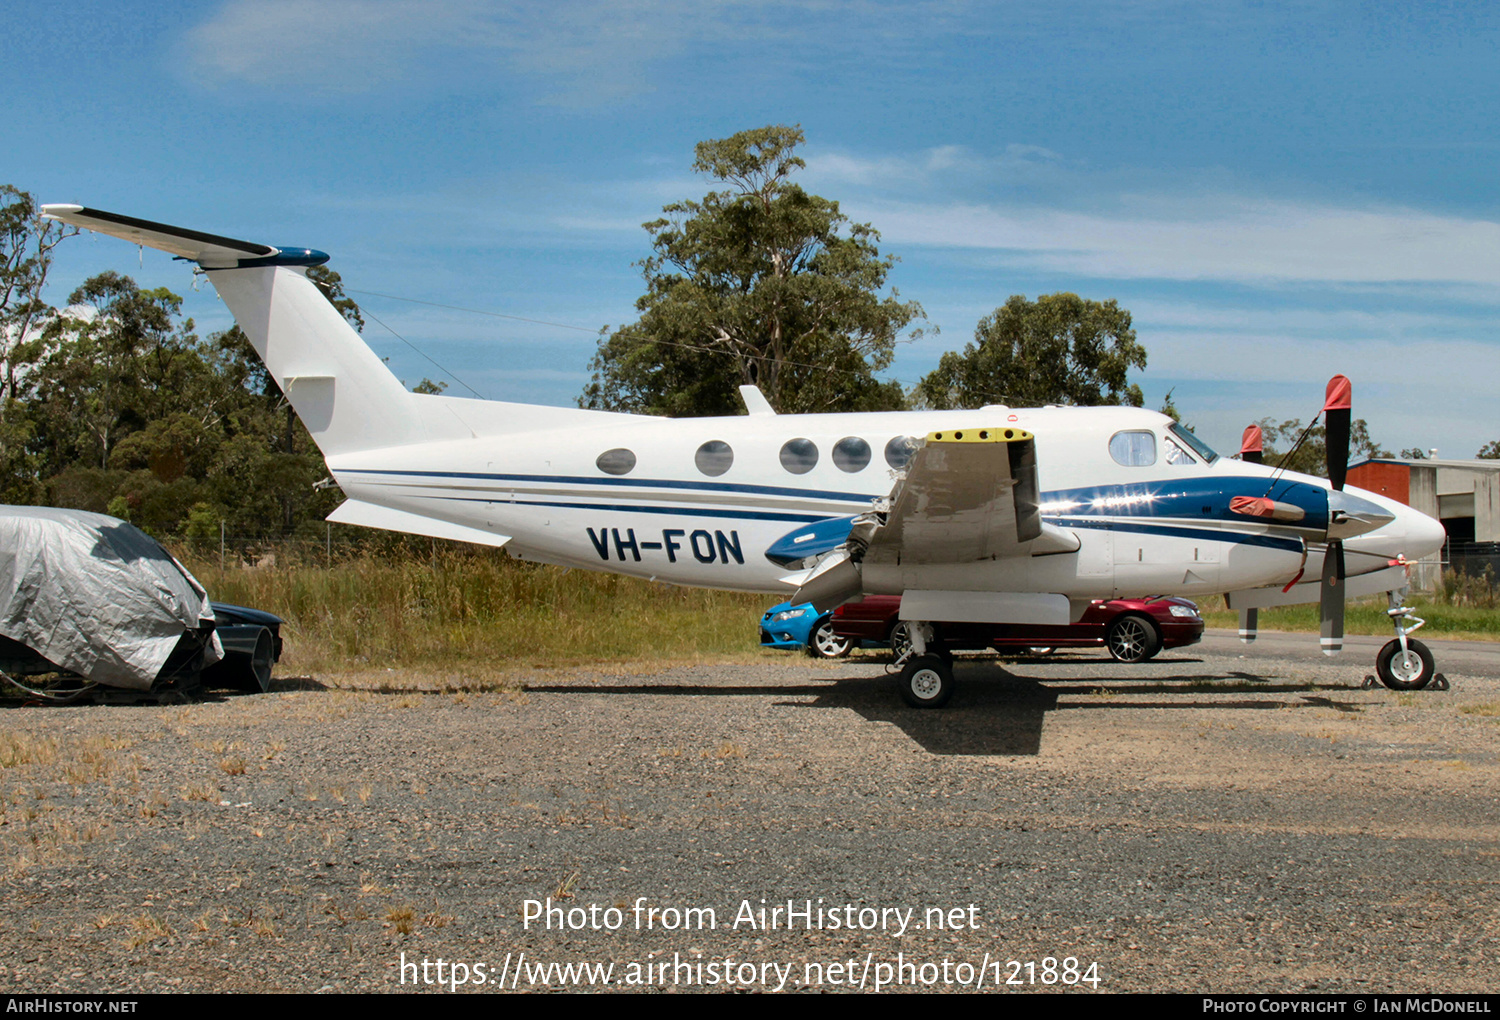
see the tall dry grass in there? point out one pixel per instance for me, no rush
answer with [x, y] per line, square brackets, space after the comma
[461, 606]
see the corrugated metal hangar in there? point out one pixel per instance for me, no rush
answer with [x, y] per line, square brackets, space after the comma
[1463, 494]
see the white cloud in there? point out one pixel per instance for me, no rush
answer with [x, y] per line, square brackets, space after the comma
[931, 166]
[1242, 240]
[338, 45]
[584, 48]
[1252, 320]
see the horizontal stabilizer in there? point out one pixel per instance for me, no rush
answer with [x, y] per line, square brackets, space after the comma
[370, 515]
[208, 250]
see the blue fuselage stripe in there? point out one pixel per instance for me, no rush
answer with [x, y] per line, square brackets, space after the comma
[680, 511]
[640, 483]
[1138, 503]
[1202, 534]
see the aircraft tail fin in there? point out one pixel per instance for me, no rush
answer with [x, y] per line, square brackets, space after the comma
[344, 394]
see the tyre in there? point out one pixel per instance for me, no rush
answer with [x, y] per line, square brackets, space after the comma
[257, 679]
[927, 682]
[1133, 639]
[1410, 671]
[825, 644]
[900, 643]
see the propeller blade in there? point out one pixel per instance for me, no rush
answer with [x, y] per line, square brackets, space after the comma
[1252, 445]
[1332, 601]
[1336, 429]
[1249, 624]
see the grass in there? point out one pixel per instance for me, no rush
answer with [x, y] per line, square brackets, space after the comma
[461, 608]
[1367, 616]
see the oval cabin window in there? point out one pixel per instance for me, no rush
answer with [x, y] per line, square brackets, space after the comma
[799, 456]
[898, 452]
[851, 454]
[616, 462]
[714, 458]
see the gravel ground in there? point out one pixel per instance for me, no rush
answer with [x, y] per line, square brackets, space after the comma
[1212, 821]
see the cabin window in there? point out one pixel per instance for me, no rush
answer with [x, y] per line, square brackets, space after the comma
[1133, 449]
[851, 454]
[616, 462]
[898, 452]
[714, 458]
[799, 456]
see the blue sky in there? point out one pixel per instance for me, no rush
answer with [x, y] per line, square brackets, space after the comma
[1277, 192]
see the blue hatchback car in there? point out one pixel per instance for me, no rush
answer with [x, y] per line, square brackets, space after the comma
[797, 627]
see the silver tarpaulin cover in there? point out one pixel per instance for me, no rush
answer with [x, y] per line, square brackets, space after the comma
[95, 595]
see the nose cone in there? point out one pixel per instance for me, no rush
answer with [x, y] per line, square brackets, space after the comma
[1424, 535]
[1407, 532]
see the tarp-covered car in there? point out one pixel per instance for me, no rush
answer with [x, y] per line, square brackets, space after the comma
[92, 595]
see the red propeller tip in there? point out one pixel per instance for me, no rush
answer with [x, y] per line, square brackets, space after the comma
[1338, 396]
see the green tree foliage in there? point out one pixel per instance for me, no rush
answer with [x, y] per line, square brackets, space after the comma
[759, 283]
[1058, 349]
[1169, 407]
[1489, 451]
[26, 248]
[26, 245]
[123, 409]
[1311, 458]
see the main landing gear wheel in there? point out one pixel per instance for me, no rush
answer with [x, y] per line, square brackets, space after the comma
[1408, 671]
[900, 643]
[825, 644]
[1133, 639]
[901, 646]
[927, 681]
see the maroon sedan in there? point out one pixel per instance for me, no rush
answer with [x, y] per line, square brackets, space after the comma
[1132, 629]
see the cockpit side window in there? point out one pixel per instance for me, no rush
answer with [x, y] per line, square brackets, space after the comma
[1192, 442]
[1133, 449]
[1174, 454]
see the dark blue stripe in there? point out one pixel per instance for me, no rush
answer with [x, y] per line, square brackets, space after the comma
[746, 515]
[1202, 534]
[1202, 498]
[770, 490]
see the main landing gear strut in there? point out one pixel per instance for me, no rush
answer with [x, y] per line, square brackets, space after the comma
[1405, 664]
[927, 675]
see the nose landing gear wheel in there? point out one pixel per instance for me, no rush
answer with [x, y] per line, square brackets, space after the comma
[927, 682]
[1408, 671]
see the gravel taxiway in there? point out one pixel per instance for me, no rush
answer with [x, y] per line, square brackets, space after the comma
[1226, 818]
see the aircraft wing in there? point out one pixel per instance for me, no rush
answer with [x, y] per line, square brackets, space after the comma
[968, 495]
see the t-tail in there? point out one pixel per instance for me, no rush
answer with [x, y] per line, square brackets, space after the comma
[344, 394]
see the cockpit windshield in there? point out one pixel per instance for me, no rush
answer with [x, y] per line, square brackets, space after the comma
[1195, 444]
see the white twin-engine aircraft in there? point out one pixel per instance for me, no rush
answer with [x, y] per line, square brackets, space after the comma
[998, 515]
